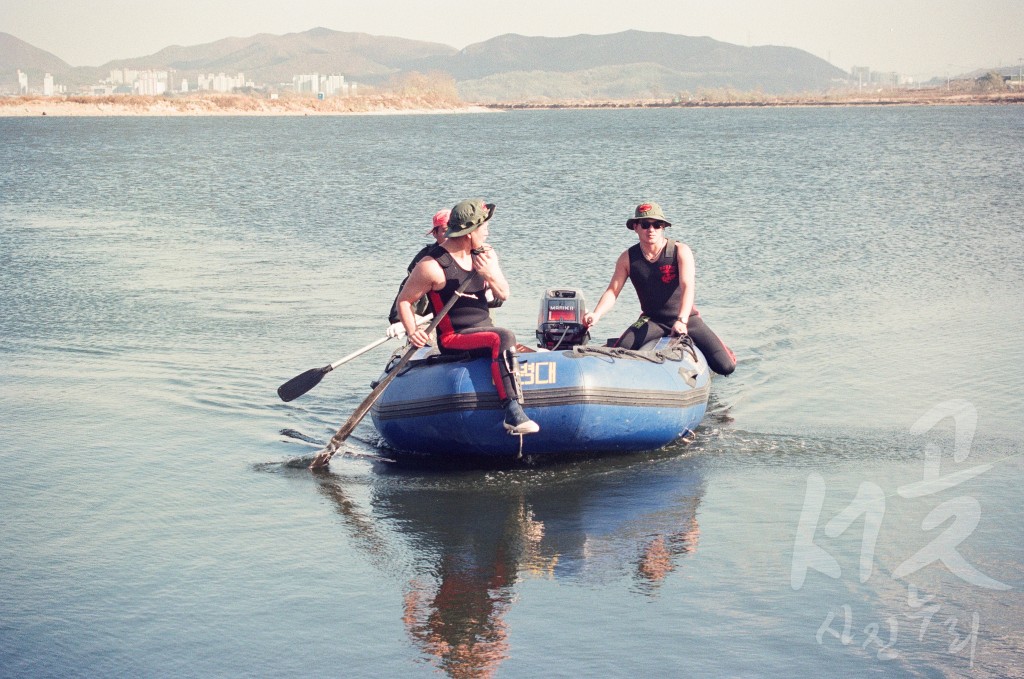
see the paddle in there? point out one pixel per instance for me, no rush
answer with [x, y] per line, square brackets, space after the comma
[300, 384]
[324, 456]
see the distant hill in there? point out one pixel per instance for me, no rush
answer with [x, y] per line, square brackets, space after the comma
[695, 61]
[17, 54]
[273, 59]
[630, 64]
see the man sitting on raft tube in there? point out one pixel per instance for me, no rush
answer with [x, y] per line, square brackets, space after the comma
[468, 326]
[662, 272]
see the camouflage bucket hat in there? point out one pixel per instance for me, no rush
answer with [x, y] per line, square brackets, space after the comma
[647, 211]
[467, 216]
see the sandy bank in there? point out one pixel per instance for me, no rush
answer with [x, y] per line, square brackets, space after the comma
[895, 98]
[226, 105]
[242, 105]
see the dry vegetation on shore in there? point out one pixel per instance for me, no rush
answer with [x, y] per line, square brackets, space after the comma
[220, 104]
[727, 99]
[407, 93]
[414, 99]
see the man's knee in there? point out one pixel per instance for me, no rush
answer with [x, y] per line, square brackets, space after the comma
[724, 367]
[722, 360]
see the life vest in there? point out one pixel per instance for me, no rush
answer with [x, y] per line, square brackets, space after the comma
[656, 283]
[470, 310]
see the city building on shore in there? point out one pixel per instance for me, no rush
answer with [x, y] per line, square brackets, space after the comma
[862, 77]
[223, 83]
[322, 85]
[49, 86]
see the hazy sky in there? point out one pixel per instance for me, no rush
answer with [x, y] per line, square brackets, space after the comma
[921, 38]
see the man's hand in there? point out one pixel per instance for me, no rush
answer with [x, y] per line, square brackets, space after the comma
[485, 261]
[398, 330]
[419, 338]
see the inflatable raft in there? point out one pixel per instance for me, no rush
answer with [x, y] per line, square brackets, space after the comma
[586, 399]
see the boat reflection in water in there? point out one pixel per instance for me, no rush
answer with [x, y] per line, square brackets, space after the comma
[468, 538]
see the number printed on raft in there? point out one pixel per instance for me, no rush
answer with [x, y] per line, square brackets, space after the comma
[542, 372]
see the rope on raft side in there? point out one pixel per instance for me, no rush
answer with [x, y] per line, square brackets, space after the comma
[674, 352]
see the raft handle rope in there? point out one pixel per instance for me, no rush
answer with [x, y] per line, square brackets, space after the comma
[618, 352]
[686, 343]
[675, 351]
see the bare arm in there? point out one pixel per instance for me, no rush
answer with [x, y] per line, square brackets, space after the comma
[687, 275]
[427, 275]
[611, 293]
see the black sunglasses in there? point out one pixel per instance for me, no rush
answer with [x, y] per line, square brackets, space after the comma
[650, 225]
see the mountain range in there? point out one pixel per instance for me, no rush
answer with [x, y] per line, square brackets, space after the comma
[511, 67]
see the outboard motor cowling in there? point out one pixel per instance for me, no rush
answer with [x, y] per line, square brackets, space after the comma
[560, 323]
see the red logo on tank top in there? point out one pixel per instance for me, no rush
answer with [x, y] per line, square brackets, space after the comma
[668, 273]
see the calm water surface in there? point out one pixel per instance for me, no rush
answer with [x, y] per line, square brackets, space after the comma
[850, 506]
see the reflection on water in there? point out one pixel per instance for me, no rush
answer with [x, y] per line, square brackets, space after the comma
[472, 537]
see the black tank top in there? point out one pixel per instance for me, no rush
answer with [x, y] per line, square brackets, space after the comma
[656, 283]
[470, 311]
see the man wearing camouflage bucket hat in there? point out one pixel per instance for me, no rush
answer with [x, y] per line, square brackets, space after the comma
[468, 325]
[662, 272]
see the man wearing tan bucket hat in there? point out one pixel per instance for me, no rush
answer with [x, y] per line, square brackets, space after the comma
[468, 325]
[662, 272]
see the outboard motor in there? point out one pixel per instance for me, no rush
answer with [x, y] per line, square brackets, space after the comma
[560, 324]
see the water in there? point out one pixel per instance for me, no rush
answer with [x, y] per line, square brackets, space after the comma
[160, 278]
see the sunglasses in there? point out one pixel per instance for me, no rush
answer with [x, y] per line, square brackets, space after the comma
[650, 225]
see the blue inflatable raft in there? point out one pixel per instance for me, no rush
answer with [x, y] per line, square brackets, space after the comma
[586, 399]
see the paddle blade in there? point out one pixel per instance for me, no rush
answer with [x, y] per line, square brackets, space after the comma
[300, 384]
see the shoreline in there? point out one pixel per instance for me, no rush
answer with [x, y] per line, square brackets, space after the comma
[243, 105]
[223, 105]
[911, 98]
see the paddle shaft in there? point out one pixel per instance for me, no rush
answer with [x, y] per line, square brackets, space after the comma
[359, 352]
[325, 455]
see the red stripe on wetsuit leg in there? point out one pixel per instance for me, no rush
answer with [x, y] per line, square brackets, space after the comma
[444, 327]
[479, 340]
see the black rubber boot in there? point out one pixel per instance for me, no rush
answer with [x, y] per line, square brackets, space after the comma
[516, 421]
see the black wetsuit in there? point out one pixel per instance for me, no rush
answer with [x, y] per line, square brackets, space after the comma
[468, 326]
[422, 305]
[657, 288]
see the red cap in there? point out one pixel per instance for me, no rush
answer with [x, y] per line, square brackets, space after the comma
[440, 219]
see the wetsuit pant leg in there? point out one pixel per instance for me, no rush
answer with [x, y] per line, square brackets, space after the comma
[720, 357]
[642, 332]
[498, 344]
